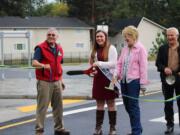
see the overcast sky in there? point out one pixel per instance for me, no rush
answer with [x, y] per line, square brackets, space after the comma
[50, 0]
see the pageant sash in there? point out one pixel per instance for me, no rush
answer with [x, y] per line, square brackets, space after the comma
[109, 76]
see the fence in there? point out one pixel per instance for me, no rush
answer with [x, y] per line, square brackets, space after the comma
[76, 57]
[22, 58]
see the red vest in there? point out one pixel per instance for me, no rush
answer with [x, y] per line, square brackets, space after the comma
[55, 73]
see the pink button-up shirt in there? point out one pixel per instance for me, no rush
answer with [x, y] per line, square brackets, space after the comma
[137, 66]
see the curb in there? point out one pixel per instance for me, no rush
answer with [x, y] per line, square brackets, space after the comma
[34, 97]
[73, 97]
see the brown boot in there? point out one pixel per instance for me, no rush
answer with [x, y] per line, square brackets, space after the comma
[112, 122]
[99, 122]
[98, 132]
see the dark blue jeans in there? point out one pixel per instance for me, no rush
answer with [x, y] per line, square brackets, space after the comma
[131, 105]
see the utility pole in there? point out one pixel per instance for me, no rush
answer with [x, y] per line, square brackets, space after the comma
[92, 33]
[93, 13]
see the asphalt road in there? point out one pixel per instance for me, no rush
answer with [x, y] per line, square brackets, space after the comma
[20, 82]
[80, 120]
[26, 73]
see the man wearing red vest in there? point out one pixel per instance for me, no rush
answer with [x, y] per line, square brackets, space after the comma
[47, 60]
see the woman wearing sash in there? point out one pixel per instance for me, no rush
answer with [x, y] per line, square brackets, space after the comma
[104, 55]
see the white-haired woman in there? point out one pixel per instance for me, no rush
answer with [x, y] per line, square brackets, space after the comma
[132, 71]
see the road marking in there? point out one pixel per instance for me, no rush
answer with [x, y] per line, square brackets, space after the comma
[50, 115]
[85, 109]
[31, 108]
[64, 114]
[162, 119]
[16, 124]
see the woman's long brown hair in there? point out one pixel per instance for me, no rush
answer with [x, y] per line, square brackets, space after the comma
[96, 47]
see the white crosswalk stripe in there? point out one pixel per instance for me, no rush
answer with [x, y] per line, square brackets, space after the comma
[162, 119]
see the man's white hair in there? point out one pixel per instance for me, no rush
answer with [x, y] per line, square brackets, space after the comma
[52, 29]
[173, 29]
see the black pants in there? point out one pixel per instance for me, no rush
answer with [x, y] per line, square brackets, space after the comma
[168, 92]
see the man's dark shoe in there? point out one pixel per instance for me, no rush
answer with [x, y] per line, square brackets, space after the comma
[129, 133]
[39, 132]
[169, 130]
[62, 132]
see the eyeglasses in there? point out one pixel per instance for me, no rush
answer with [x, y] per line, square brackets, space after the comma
[53, 35]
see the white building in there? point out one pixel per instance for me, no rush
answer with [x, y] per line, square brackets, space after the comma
[147, 31]
[74, 35]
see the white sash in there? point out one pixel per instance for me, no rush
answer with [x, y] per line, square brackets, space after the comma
[109, 76]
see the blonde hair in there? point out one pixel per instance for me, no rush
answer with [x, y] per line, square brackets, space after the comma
[132, 31]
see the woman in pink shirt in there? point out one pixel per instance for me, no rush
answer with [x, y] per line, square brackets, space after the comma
[132, 71]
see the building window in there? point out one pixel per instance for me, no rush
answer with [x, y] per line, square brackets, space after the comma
[19, 46]
[79, 31]
[80, 45]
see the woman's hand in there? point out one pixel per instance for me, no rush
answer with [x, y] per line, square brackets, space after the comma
[95, 64]
[94, 72]
[143, 91]
[114, 80]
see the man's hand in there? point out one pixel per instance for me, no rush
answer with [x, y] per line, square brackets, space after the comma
[37, 64]
[47, 66]
[168, 71]
[63, 86]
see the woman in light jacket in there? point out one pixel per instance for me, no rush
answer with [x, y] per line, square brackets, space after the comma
[104, 55]
[132, 71]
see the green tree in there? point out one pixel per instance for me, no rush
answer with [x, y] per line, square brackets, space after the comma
[92, 11]
[103, 10]
[19, 7]
[52, 9]
[13, 7]
[164, 12]
[60, 9]
[33, 5]
[173, 13]
[61, 1]
[122, 10]
[160, 40]
[81, 9]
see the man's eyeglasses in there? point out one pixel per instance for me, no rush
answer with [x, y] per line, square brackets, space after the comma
[53, 35]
